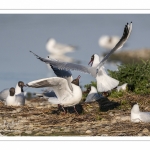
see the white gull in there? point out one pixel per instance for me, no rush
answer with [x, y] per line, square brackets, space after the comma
[57, 48]
[19, 88]
[138, 116]
[14, 99]
[108, 42]
[65, 96]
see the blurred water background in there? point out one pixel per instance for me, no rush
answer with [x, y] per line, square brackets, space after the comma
[20, 33]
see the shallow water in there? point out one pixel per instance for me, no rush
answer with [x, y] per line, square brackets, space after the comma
[20, 33]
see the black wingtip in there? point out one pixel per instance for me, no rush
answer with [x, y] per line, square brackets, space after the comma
[30, 51]
[131, 21]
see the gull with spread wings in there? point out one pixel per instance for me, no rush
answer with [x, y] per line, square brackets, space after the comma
[96, 71]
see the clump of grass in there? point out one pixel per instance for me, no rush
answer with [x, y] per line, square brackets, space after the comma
[137, 75]
[115, 94]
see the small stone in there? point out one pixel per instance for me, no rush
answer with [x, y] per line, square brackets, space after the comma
[107, 127]
[145, 130]
[111, 114]
[48, 132]
[104, 122]
[18, 109]
[14, 111]
[28, 132]
[42, 104]
[67, 130]
[117, 117]
[88, 132]
[113, 121]
[140, 134]
[48, 106]
[104, 135]
[125, 118]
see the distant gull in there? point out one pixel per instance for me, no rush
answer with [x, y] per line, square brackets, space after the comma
[14, 99]
[19, 88]
[98, 72]
[58, 50]
[108, 42]
[138, 116]
[65, 96]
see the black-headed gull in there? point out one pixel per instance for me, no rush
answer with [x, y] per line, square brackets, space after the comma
[96, 71]
[138, 116]
[19, 88]
[105, 83]
[65, 96]
[93, 95]
[14, 99]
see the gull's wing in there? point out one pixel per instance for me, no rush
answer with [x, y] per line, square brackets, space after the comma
[3, 94]
[46, 94]
[58, 85]
[63, 74]
[145, 116]
[20, 99]
[49, 94]
[68, 66]
[92, 97]
[54, 100]
[125, 36]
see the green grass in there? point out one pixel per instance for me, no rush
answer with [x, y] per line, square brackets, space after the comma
[137, 75]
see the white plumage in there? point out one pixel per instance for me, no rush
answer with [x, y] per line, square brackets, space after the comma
[108, 42]
[4, 93]
[138, 116]
[15, 99]
[65, 97]
[122, 87]
[104, 82]
[92, 95]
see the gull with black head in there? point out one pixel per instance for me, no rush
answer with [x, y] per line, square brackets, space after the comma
[93, 95]
[96, 71]
[65, 96]
[18, 89]
[14, 99]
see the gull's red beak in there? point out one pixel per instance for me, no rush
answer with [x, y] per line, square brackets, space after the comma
[91, 62]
